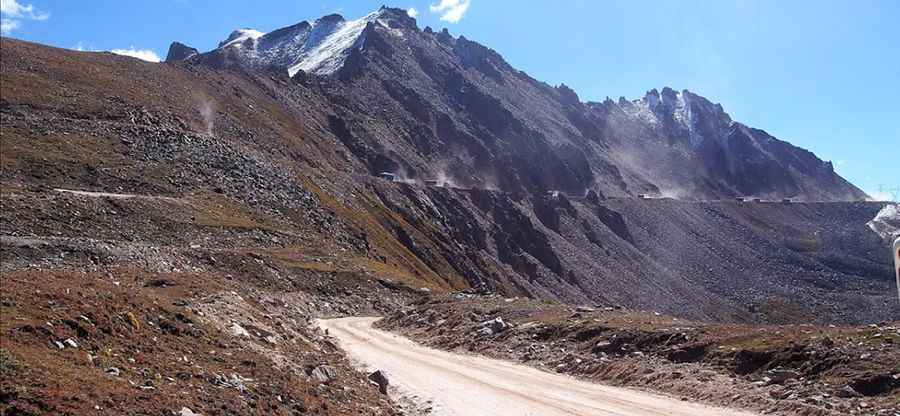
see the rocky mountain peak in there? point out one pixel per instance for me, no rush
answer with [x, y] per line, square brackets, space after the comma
[682, 111]
[333, 18]
[320, 47]
[240, 35]
[459, 91]
[179, 52]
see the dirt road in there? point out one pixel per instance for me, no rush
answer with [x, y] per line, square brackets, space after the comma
[472, 386]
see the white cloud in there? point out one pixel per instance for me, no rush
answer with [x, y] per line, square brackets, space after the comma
[451, 10]
[412, 12]
[142, 54]
[8, 25]
[14, 12]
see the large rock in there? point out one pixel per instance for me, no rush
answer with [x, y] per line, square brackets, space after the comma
[493, 326]
[380, 380]
[875, 384]
[780, 375]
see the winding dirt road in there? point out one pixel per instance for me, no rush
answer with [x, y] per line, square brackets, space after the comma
[463, 385]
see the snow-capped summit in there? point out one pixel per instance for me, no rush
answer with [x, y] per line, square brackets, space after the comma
[240, 36]
[320, 47]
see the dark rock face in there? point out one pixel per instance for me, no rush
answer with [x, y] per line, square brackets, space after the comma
[179, 52]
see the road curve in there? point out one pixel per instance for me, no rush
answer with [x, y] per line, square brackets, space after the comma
[464, 385]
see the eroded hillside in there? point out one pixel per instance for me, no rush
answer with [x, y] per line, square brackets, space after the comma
[181, 223]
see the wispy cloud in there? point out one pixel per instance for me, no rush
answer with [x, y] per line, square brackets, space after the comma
[8, 25]
[142, 54]
[412, 12]
[451, 10]
[81, 47]
[881, 195]
[12, 13]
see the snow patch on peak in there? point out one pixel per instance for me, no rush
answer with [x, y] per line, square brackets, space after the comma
[238, 37]
[329, 44]
[320, 48]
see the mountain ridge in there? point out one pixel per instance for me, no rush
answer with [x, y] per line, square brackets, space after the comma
[722, 157]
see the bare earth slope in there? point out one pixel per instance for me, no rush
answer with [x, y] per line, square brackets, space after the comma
[239, 159]
[465, 385]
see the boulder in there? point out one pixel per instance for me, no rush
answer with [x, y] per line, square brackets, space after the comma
[875, 384]
[379, 379]
[687, 353]
[495, 326]
[780, 375]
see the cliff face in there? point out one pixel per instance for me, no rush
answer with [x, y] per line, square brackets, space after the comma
[242, 150]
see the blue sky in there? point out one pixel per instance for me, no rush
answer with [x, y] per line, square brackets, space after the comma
[824, 75]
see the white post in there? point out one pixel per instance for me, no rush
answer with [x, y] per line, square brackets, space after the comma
[897, 263]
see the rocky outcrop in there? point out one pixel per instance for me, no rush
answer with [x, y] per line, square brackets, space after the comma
[179, 52]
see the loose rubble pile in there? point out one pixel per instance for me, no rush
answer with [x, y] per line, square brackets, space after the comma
[77, 343]
[785, 370]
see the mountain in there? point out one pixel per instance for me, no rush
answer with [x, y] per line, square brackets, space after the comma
[498, 122]
[320, 48]
[170, 231]
[259, 164]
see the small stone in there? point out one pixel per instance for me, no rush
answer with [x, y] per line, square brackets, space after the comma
[133, 321]
[239, 331]
[847, 392]
[324, 374]
[188, 412]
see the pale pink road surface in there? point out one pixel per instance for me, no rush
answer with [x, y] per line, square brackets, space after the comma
[466, 385]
